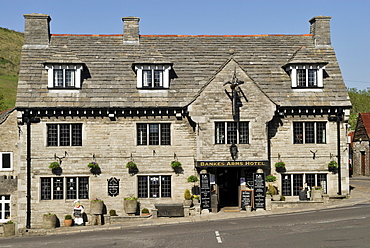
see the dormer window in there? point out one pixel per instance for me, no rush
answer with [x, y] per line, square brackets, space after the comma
[306, 76]
[64, 76]
[153, 76]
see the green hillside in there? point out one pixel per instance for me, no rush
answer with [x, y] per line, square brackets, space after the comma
[10, 52]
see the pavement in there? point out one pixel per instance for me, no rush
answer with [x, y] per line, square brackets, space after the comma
[360, 193]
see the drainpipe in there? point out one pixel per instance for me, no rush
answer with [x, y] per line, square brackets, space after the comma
[28, 218]
[338, 151]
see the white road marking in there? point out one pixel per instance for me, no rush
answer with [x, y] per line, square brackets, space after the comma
[218, 237]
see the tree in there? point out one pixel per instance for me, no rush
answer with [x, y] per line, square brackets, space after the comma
[360, 100]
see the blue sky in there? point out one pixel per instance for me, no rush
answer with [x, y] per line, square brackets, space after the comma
[350, 21]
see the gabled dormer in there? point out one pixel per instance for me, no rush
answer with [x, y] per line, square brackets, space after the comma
[306, 69]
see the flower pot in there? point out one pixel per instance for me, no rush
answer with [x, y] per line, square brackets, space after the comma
[96, 207]
[68, 223]
[133, 170]
[9, 229]
[177, 170]
[57, 171]
[95, 171]
[130, 206]
[49, 221]
[280, 169]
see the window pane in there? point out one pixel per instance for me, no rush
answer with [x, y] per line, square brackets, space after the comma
[147, 78]
[154, 186]
[166, 186]
[58, 188]
[309, 132]
[297, 183]
[70, 78]
[6, 161]
[243, 133]
[310, 180]
[158, 78]
[52, 135]
[298, 132]
[46, 188]
[76, 134]
[312, 78]
[220, 132]
[64, 133]
[83, 188]
[286, 185]
[301, 77]
[322, 181]
[321, 132]
[141, 134]
[165, 134]
[58, 78]
[142, 186]
[232, 133]
[71, 188]
[153, 134]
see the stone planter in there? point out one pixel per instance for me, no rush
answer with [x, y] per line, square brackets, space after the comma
[8, 229]
[49, 221]
[316, 195]
[96, 207]
[130, 206]
[187, 203]
[276, 197]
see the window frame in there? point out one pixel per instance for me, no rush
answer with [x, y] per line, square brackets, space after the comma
[52, 70]
[155, 83]
[295, 71]
[49, 188]
[5, 208]
[64, 134]
[231, 132]
[153, 134]
[2, 161]
[150, 188]
[309, 132]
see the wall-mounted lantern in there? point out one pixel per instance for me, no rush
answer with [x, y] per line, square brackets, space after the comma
[234, 151]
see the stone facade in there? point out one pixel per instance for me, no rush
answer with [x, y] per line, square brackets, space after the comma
[229, 103]
[361, 146]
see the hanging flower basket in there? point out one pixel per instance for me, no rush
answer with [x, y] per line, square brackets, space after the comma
[55, 168]
[333, 166]
[280, 166]
[177, 167]
[94, 168]
[270, 178]
[192, 179]
[132, 167]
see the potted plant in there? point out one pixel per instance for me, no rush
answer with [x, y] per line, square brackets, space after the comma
[188, 198]
[49, 220]
[273, 192]
[96, 206]
[316, 193]
[112, 212]
[270, 178]
[8, 229]
[94, 168]
[132, 167]
[192, 179]
[55, 168]
[145, 211]
[196, 199]
[333, 166]
[130, 204]
[176, 166]
[68, 220]
[280, 166]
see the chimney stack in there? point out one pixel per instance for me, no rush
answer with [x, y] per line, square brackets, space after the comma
[131, 30]
[37, 29]
[320, 30]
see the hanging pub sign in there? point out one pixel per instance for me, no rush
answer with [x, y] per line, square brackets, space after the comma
[113, 186]
[205, 191]
[259, 190]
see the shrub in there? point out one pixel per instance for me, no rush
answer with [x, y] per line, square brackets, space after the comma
[187, 195]
[112, 212]
[175, 164]
[54, 165]
[270, 178]
[280, 164]
[192, 179]
[92, 165]
[272, 190]
[131, 165]
[130, 198]
[68, 217]
[145, 211]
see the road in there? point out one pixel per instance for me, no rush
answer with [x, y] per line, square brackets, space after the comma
[338, 227]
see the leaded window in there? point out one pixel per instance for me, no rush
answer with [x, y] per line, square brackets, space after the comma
[153, 134]
[309, 132]
[59, 188]
[154, 186]
[64, 134]
[232, 132]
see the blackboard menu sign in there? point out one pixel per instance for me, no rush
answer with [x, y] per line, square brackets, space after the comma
[205, 191]
[113, 186]
[246, 198]
[259, 190]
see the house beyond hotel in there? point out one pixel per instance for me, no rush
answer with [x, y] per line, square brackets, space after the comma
[229, 106]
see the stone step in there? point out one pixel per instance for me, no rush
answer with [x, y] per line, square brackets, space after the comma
[231, 209]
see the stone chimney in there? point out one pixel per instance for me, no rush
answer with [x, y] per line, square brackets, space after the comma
[37, 29]
[131, 30]
[320, 30]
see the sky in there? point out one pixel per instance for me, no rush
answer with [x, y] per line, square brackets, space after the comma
[350, 23]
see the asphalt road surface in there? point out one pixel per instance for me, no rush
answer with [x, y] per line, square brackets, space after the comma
[338, 227]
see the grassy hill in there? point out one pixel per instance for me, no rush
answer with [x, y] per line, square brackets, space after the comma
[10, 52]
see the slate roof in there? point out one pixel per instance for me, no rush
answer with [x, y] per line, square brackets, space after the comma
[363, 127]
[110, 81]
